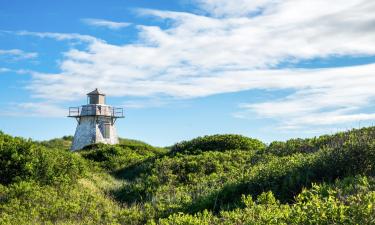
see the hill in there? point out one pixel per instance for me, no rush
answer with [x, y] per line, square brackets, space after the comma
[219, 179]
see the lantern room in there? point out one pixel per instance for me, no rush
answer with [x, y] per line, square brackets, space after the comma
[96, 98]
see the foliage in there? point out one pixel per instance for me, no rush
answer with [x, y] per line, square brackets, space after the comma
[216, 180]
[311, 145]
[25, 160]
[134, 143]
[350, 201]
[115, 157]
[219, 179]
[61, 143]
[172, 183]
[217, 143]
[29, 203]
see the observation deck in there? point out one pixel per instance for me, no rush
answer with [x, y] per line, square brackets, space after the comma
[96, 110]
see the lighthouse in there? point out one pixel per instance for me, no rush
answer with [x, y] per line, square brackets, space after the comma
[96, 121]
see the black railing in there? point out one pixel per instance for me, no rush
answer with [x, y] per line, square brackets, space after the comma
[96, 110]
[74, 111]
[118, 112]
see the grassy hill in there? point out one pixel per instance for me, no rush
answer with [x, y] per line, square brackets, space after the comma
[219, 179]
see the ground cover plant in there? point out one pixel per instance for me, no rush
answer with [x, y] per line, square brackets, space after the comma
[219, 179]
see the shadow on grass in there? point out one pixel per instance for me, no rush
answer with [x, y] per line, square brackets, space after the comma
[133, 191]
[290, 179]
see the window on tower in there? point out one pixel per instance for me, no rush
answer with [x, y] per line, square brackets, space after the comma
[107, 131]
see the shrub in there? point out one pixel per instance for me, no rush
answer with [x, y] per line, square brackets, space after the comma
[24, 160]
[30, 203]
[311, 145]
[61, 143]
[115, 157]
[322, 204]
[220, 179]
[217, 143]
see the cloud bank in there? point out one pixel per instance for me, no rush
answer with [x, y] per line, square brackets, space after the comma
[232, 46]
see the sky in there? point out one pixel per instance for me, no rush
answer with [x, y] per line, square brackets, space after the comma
[268, 69]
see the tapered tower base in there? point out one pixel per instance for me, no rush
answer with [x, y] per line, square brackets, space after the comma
[92, 130]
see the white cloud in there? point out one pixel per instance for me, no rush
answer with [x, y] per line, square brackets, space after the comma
[239, 45]
[59, 36]
[34, 109]
[329, 96]
[105, 23]
[17, 54]
[238, 8]
[4, 70]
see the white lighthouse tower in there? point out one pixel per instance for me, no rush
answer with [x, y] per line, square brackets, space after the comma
[96, 121]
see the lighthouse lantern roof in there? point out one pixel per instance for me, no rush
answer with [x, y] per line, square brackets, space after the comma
[95, 92]
[95, 97]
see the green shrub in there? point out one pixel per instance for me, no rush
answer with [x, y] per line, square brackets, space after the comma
[216, 180]
[311, 145]
[322, 204]
[24, 160]
[135, 144]
[175, 183]
[29, 203]
[61, 143]
[220, 179]
[217, 143]
[115, 157]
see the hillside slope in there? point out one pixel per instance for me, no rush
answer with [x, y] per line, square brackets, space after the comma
[220, 179]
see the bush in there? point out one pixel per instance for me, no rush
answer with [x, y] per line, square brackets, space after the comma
[322, 204]
[24, 160]
[115, 157]
[61, 143]
[216, 180]
[30, 203]
[311, 145]
[217, 143]
[220, 179]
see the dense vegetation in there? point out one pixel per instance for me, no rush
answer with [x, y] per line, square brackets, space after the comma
[219, 179]
[217, 143]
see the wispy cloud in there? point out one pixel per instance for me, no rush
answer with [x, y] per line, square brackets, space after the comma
[17, 54]
[34, 109]
[105, 23]
[58, 36]
[237, 8]
[322, 97]
[4, 70]
[234, 46]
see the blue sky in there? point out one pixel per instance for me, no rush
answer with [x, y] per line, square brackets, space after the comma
[268, 69]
